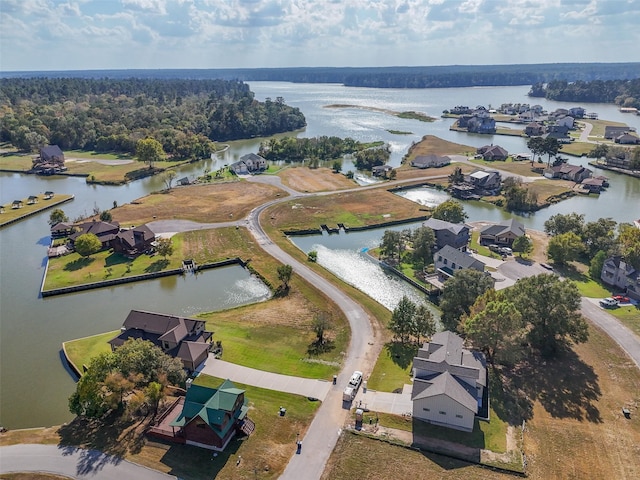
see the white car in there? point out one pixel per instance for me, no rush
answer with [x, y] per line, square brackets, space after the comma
[609, 302]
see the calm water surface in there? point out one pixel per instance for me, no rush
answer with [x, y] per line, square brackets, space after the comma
[34, 386]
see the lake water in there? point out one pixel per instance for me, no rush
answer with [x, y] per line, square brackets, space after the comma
[34, 385]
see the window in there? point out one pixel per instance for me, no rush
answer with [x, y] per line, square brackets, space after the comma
[459, 416]
[442, 413]
[426, 409]
[453, 265]
[439, 258]
[445, 261]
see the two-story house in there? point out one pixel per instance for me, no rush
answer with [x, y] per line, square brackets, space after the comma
[621, 275]
[449, 383]
[455, 235]
[184, 338]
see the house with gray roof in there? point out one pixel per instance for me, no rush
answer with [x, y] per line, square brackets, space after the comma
[503, 233]
[617, 273]
[448, 260]
[493, 152]
[627, 139]
[430, 161]
[449, 383]
[455, 235]
[183, 338]
[249, 163]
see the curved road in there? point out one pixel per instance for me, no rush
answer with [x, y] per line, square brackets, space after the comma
[73, 462]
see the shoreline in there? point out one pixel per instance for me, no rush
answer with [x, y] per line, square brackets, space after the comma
[40, 209]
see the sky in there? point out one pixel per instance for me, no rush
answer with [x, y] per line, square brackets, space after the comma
[125, 34]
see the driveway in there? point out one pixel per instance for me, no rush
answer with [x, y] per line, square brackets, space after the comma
[623, 336]
[307, 387]
[385, 402]
[73, 462]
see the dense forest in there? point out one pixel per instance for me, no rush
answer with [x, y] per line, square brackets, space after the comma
[386, 77]
[625, 93]
[185, 116]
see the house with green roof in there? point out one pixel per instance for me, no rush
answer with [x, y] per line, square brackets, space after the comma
[206, 417]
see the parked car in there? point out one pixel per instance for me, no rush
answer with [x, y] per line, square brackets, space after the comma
[506, 251]
[621, 298]
[494, 248]
[609, 302]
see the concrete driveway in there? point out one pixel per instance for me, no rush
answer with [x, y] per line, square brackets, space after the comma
[385, 402]
[73, 462]
[307, 387]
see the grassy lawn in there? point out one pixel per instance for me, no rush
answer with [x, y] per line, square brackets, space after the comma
[359, 457]
[81, 351]
[518, 167]
[586, 285]
[32, 476]
[305, 179]
[599, 126]
[481, 249]
[577, 149]
[97, 167]
[275, 336]
[354, 209]
[74, 269]
[393, 367]
[629, 315]
[547, 188]
[10, 214]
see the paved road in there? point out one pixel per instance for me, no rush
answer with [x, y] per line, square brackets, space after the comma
[623, 336]
[306, 387]
[73, 462]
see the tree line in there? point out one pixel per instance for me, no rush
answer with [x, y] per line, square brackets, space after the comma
[185, 116]
[315, 149]
[622, 92]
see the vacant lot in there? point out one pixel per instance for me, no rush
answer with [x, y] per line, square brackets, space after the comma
[359, 457]
[431, 144]
[201, 203]
[305, 179]
[406, 172]
[353, 209]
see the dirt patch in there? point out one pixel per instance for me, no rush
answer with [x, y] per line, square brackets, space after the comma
[304, 179]
[201, 203]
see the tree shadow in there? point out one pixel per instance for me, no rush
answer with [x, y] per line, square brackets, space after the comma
[571, 272]
[78, 264]
[115, 259]
[318, 348]
[101, 441]
[401, 353]
[185, 461]
[281, 291]
[565, 386]
[157, 266]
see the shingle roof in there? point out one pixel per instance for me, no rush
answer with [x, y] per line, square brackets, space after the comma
[446, 384]
[512, 225]
[461, 259]
[435, 224]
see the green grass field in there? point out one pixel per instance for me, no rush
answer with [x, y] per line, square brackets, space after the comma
[81, 351]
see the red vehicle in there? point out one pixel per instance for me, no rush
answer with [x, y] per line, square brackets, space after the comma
[621, 298]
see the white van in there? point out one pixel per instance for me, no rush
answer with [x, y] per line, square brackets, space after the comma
[356, 379]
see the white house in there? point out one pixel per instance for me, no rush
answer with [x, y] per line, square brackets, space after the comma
[449, 383]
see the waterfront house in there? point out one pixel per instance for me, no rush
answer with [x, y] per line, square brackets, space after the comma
[534, 129]
[448, 260]
[460, 110]
[429, 161]
[619, 274]
[627, 139]
[493, 152]
[249, 163]
[566, 171]
[180, 337]
[484, 182]
[206, 417]
[381, 170]
[449, 383]
[105, 231]
[611, 131]
[17, 204]
[503, 233]
[62, 229]
[1, 208]
[455, 235]
[577, 112]
[134, 241]
[595, 184]
[481, 124]
[48, 195]
[49, 162]
[565, 121]
[32, 200]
